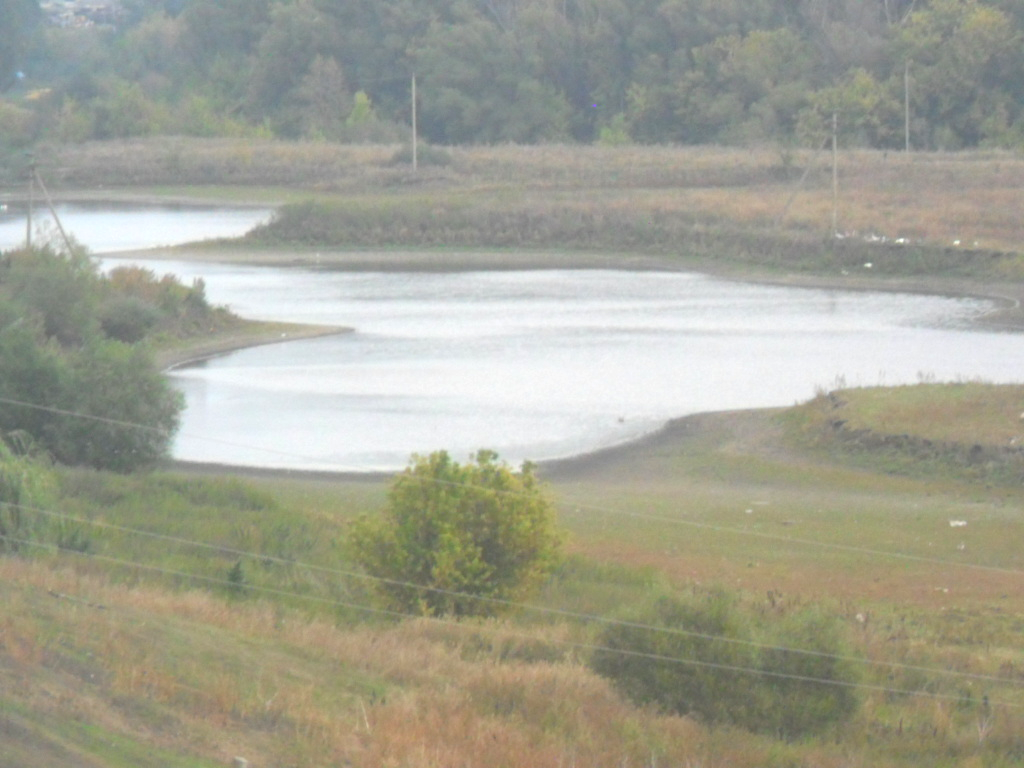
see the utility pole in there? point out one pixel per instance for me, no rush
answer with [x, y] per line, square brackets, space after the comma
[31, 201]
[906, 105]
[53, 211]
[415, 148]
[835, 174]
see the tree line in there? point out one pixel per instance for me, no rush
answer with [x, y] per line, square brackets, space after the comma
[939, 74]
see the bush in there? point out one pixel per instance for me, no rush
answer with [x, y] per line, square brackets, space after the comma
[24, 486]
[60, 288]
[459, 539]
[125, 412]
[128, 319]
[67, 373]
[710, 656]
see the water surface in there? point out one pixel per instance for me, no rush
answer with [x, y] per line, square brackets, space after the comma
[542, 364]
[103, 228]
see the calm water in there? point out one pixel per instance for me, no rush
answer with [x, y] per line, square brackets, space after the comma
[102, 228]
[542, 364]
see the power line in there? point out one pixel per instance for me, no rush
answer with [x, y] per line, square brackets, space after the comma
[590, 647]
[560, 613]
[804, 542]
[523, 606]
[162, 431]
[582, 506]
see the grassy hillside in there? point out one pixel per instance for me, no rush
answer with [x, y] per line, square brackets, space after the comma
[153, 648]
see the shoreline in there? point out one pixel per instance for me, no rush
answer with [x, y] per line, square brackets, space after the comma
[1008, 297]
[168, 360]
[1008, 315]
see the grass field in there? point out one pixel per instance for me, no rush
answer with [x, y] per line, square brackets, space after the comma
[106, 657]
[205, 617]
[965, 201]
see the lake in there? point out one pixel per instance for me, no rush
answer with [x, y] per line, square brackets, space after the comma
[542, 364]
[103, 228]
[532, 364]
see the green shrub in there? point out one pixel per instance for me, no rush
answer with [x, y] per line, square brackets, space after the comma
[128, 319]
[125, 412]
[24, 485]
[69, 379]
[776, 671]
[459, 539]
[60, 288]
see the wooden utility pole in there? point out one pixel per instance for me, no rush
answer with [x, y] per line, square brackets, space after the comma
[53, 211]
[31, 201]
[906, 105]
[415, 148]
[835, 174]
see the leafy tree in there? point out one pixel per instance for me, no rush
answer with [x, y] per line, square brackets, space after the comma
[213, 28]
[694, 71]
[18, 20]
[867, 113]
[125, 413]
[459, 538]
[60, 289]
[323, 99]
[31, 371]
[710, 656]
[285, 55]
[82, 397]
[478, 85]
[966, 72]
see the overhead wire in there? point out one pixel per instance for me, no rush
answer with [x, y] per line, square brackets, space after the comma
[849, 548]
[589, 647]
[504, 603]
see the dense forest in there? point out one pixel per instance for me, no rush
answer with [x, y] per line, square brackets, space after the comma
[937, 74]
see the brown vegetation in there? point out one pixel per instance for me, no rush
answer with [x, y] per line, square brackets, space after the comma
[966, 200]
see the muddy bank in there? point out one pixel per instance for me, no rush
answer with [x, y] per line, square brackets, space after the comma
[254, 335]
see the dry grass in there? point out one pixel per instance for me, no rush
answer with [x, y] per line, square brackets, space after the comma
[973, 198]
[188, 672]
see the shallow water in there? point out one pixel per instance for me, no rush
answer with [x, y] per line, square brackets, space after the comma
[103, 228]
[542, 364]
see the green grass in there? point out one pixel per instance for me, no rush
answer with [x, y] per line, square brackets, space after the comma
[738, 500]
[967, 413]
[967, 430]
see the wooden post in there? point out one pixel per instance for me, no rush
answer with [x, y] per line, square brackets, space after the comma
[31, 195]
[835, 174]
[53, 211]
[415, 148]
[906, 105]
